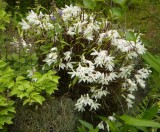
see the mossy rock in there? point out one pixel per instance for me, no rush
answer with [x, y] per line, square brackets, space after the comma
[55, 115]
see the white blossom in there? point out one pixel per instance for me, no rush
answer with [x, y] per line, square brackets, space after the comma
[100, 125]
[24, 25]
[33, 18]
[98, 93]
[70, 11]
[67, 55]
[85, 100]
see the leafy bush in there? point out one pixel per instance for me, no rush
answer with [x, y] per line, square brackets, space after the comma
[30, 91]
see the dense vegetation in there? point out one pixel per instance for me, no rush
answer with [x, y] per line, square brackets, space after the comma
[79, 65]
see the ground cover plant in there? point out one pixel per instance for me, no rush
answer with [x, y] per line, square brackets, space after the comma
[78, 51]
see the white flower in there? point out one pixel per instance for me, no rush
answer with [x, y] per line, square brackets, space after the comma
[71, 31]
[100, 125]
[103, 59]
[129, 103]
[78, 27]
[85, 100]
[132, 86]
[33, 18]
[113, 34]
[112, 118]
[53, 49]
[125, 71]
[31, 72]
[83, 73]
[24, 25]
[131, 96]
[70, 11]
[142, 74]
[48, 26]
[123, 45]
[24, 44]
[94, 106]
[62, 66]
[112, 76]
[67, 55]
[88, 33]
[101, 37]
[51, 58]
[98, 93]
[140, 48]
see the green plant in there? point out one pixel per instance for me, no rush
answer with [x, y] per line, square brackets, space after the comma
[87, 127]
[4, 16]
[143, 122]
[7, 108]
[31, 90]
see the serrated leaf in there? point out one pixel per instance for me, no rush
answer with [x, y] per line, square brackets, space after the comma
[55, 78]
[38, 98]
[8, 120]
[2, 64]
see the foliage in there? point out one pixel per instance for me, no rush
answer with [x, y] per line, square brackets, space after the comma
[7, 108]
[30, 91]
[88, 126]
[143, 123]
[4, 16]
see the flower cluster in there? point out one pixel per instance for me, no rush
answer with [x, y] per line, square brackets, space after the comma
[40, 21]
[92, 52]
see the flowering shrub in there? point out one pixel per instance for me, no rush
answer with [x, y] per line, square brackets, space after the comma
[90, 50]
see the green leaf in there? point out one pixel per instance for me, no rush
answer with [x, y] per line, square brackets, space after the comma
[151, 112]
[116, 12]
[152, 61]
[55, 78]
[2, 64]
[2, 27]
[38, 98]
[120, 2]
[90, 4]
[8, 120]
[139, 122]
[130, 36]
[86, 124]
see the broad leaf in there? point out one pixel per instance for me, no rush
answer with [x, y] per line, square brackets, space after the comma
[86, 124]
[90, 4]
[116, 12]
[151, 112]
[120, 2]
[152, 61]
[139, 122]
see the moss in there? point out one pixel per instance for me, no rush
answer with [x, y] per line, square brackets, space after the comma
[56, 115]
